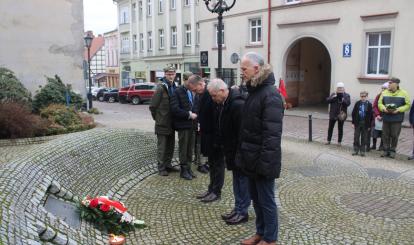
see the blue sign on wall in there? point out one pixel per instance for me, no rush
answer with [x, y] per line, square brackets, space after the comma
[347, 50]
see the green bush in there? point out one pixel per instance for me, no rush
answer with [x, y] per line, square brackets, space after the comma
[11, 89]
[17, 121]
[66, 120]
[54, 92]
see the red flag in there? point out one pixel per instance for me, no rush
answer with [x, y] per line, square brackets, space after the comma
[282, 88]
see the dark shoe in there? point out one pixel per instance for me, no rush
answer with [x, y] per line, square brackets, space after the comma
[163, 173]
[251, 240]
[339, 144]
[374, 147]
[210, 198]
[368, 149]
[362, 154]
[185, 174]
[410, 158]
[328, 143]
[173, 169]
[354, 153]
[238, 219]
[229, 215]
[202, 195]
[381, 148]
[385, 154]
[202, 169]
[391, 154]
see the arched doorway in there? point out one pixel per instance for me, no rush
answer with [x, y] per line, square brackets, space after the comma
[308, 72]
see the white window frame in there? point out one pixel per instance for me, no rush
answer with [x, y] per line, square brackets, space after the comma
[161, 38]
[257, 27]
[141, 42]
[187, 29]
[149, 37]
[124, 44]
[173, 4]
[124, 16]
[216, 35]
[198, 34]
[173, 36]
[160, 6]
[135, 43]
[292, 1]
[378, 47]
[140, 9]
[149, 8]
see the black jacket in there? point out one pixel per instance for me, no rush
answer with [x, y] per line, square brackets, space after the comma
[260, 152]
[180, 108]
[337, 104]
[206, 121]
[368, 114]
[230, 121]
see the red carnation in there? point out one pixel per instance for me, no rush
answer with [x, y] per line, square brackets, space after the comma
[105, 208]
[94, 203]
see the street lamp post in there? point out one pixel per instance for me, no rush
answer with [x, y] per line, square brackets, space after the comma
[88, 43]
[219, 7]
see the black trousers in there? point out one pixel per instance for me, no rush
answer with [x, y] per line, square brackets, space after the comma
[390, 133]
[360, 137]
[216, 163]
[340, 129]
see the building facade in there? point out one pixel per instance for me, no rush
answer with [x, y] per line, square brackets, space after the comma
[33, 46]
[154, 33]
[97, 58]
[112, 60]
[312, 47]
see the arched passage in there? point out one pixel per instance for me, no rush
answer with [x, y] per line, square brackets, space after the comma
[308, 72]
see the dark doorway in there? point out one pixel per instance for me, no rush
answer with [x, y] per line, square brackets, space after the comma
[308, 73]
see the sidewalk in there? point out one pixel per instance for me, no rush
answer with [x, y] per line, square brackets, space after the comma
[296, 124]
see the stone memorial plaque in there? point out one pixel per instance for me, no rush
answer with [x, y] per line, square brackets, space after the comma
[64, 210]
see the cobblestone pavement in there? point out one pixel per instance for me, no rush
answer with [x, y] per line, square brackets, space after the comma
[324, 198]
[7, 153]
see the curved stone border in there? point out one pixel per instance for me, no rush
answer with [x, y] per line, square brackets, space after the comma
[27, 141]
[94, 162]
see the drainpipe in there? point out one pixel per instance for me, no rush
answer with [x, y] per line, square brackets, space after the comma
[269, 27]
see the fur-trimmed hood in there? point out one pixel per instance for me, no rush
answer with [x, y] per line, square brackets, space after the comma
[261, 76]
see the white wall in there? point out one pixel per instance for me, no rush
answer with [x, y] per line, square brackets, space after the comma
[43, 38]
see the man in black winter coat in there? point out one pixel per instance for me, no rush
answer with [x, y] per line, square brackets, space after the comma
[260, 154]
[183, 108]
[361, 122]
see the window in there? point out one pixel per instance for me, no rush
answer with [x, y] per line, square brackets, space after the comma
[229, 75]
[124, 17]
[134, 9]
[198, 34]
[140, 9]
[187, 35]
[186, 2]
[149, 8]
[173, 4]
[174, 37]
[125, 44]
[160, 7]
[378, 53]
[222, 33]
[150, 41]
[135, 43]
[161, 34]
[255, 31]
[141, 42]
[292, 1]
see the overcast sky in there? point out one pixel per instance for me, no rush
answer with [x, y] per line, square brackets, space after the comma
[100, 15]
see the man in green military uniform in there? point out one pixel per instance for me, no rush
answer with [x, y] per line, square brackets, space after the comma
[160, 111]
[392, 103]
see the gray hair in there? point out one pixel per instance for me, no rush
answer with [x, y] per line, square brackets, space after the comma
[216, 85]
[195, 79]
[255, 58]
